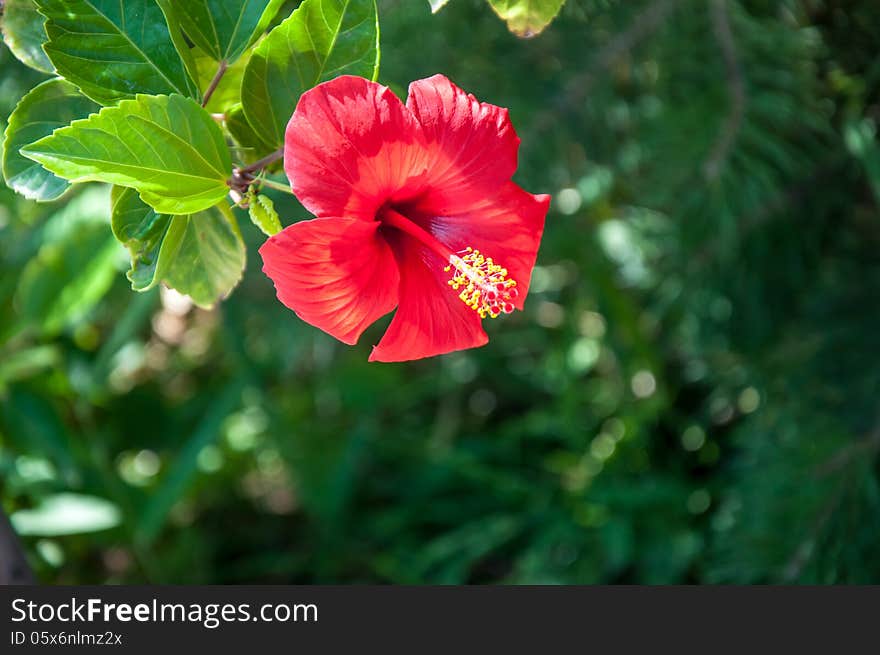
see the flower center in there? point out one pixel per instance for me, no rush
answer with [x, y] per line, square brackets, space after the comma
[482, 284]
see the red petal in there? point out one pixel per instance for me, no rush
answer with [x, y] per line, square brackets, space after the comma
[506, 227]
[472, 144]
[351, 146]
[430, 319]
[337, 274]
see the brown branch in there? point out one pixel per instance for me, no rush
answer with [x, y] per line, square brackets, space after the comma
[14, 568]
[221, 70]
[720, 15]
[244, 176]
[261, 163]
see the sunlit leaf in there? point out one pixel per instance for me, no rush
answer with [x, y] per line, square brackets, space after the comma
[23, 33]
[114, 50]
[67, 513]
[437, 5]
[527, 18]
[166, 147]
[321, 40]
[224, 29]
[47, 107]
[201, 255]
[228, 91]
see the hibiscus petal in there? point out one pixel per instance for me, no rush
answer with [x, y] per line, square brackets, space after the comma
[430, 319]
[351, 146]
[506, 227]
[472, 144]
[337, 274]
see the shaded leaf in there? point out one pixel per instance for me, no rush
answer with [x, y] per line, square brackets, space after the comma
[224, 29]
[166, 147]
[65, 281]
[47, 107]
[141, 230]
[114, 50]
[185, 50]
[200, 255]
[33, 423]
[23, 33]
[252, 147]
[321, 40]
[25, 363]
[180, 476]
[862, 143]
[527, 18]
[74, 267]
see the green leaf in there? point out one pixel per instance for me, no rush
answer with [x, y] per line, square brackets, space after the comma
[527, 18]
[114, 50]
[185, 50]
[66, 513]
[205, 255]
[321, 40]
[166, 147]
[437, 5]
[252, 147]
[22, 364]
[201, 255]
[35, 426]
[262, 212]
[184, 469]
[74, 268]
[224, 29]
[23, 33]
[47, 107]
[228, 91]
[861, 141]
[141, 230]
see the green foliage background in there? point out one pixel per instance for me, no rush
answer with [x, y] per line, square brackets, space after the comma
[691, 395]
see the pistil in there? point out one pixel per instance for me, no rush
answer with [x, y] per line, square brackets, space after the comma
[482, 284]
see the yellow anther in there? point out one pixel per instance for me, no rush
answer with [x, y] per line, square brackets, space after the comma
[484, 285]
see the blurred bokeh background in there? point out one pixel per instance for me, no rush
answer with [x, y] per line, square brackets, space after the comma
[691, 395]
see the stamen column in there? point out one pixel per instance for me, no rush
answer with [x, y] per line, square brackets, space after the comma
[484, 285]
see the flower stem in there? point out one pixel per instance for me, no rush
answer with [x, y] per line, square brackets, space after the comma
[221, 70]
[272, 184]
[262, 163]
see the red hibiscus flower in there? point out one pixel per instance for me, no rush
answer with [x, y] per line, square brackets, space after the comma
[415, 210]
